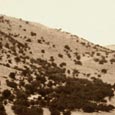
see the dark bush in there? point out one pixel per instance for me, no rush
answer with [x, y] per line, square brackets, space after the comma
[11, 84]
[60, 55]
[12, 75]
[78, 57]
[6, 94]
[43, 51]
[54, 112]
[67, 47]
[104, 71]
[89, 107]
[68, 112]
[33, 34]
[106, 108]
[17, 59]
[112, 61]
[2, 110]
[77, 62]
[28, 40]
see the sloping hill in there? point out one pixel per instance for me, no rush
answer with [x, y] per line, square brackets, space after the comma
[37, 60]
[112, 47]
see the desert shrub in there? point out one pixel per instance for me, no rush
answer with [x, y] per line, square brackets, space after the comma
[2, 109]
[104, 71]
[24, 29]
[6, 94]
[98, 54]
[112, 61]
[7, 65]
[77, 62]
[106, 108]
[68, 71]
[7, 45]
[77, 40]
[1, 45]
[16, 35]
[51, 58]
[54, 112]
[26, 22]
[89, 107]
[88, 75]
[60, 55]
[9, 61]
[39, 41]
[12, 75]
[78, 57]
[99, 75]
[68, 112]
[17, 59]
[68, 54]
[28, 40]
[103, 60]
[24, 110]
[33, 34]
[25, 72]
[75, 72]
[41, 79]
[11, 84]
[43, 51]
[21, 97]
[53, 46]
[20, 26]
[83, 43]
[62, 64]
[67, 47]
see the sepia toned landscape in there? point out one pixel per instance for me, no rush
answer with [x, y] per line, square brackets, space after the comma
[47, 71]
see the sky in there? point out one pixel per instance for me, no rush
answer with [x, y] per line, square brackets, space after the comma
[93, 20]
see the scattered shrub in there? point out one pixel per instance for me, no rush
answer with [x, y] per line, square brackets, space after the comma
[2, 110]
[11, 84]
[68, 112]
[60, 55]
[28, 40]
[43, 51]
[104, 71]
[6, 94]
[78, 62]
[33, 34]
[12, 75]
[67, 47]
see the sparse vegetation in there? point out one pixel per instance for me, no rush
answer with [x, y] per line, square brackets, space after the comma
[6, 94]
[104, 71]
[43, 51]
[67, 47]
[61, 81]
[12, 75]
[60, 55]
[33, 34]
[2, 109]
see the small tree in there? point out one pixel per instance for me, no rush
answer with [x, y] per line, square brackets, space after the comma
[12, 75]
[2, 109]
[6, 94]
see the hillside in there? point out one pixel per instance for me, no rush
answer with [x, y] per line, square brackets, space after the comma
[112, 47]
[41, 67]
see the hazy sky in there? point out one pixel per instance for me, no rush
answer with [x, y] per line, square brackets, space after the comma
[92, 19]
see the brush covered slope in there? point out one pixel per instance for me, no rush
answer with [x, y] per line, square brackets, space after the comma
[42, 67]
